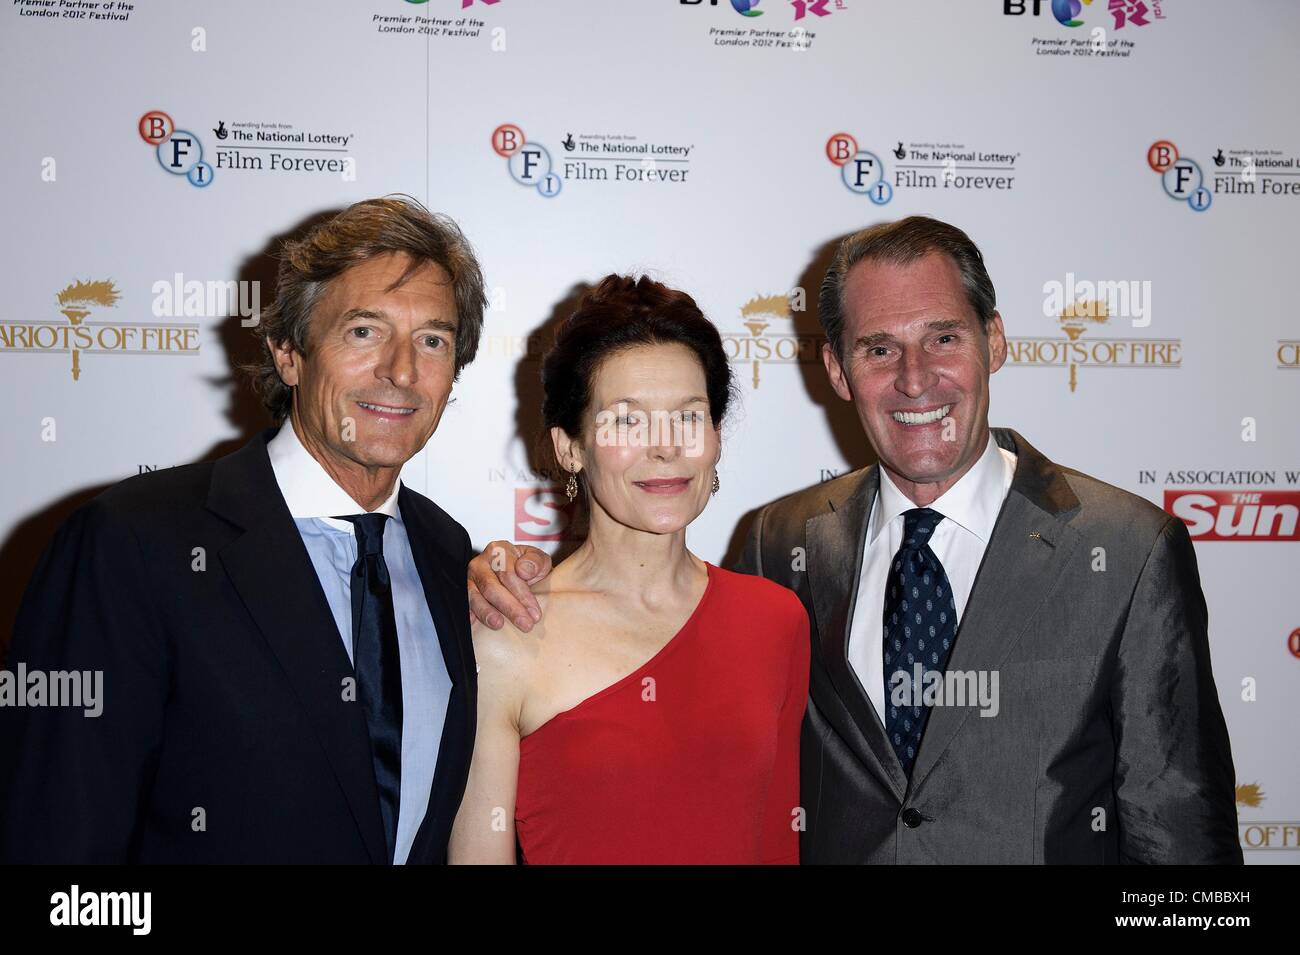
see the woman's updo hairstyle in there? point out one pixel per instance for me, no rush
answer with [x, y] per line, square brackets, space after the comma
[623, 312]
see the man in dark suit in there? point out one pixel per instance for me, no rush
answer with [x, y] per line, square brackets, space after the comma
[1010, 659]
[282, 634]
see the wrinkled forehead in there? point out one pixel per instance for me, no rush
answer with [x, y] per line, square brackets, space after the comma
[884, 296]
[390, 286]
[391, 272]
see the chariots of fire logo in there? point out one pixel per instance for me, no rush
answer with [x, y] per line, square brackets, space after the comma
[83, 334]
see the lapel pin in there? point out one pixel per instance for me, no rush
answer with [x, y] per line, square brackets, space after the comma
[1035, 536]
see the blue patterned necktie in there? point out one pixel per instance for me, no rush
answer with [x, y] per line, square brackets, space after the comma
[920, 622]
[378, 665]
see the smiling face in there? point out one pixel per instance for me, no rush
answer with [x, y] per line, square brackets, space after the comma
[917, 368]
[650, 446]
[378, 370]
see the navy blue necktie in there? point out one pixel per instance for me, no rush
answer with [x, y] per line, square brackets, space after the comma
[920, 623]
[378, 665]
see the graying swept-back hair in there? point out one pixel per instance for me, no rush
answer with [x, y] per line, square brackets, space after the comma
[902, 242]
[362, 231]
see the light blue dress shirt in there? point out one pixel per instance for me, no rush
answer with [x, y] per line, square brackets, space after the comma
[332, 546]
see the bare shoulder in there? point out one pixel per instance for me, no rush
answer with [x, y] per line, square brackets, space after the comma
[508, 648]
[507, 659]
[511, 650]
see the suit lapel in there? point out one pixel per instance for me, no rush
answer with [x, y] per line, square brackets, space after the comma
[836, 541]
[442, 573]
[1031, 545]
[271, 571]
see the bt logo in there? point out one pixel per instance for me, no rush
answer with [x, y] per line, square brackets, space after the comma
[861, 171]
[1067, 12]
[746, 8]
[1180, 176]
[179, 151]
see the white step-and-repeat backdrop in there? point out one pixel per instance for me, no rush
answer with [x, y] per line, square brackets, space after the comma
[1131, 169]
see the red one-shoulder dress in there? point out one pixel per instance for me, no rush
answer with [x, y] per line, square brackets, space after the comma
[691, 759]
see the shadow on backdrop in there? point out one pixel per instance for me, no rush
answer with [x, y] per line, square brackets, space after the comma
[22, 549]
[841, 418]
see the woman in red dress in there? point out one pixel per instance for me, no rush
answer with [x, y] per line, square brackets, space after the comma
[652, 715]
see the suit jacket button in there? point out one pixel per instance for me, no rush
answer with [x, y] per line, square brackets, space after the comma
[911, 818]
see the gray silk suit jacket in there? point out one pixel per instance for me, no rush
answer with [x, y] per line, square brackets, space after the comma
[1109, 744]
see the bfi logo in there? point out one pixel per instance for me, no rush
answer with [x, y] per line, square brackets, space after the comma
[179, 151]
[529, 162]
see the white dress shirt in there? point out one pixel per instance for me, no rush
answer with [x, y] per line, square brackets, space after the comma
[314, 499]
[307, 487]
[970, 509]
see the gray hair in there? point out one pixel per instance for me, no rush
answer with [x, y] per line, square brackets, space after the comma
[902, 242]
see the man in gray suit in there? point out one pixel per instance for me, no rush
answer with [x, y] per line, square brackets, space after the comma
[1016, 668]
